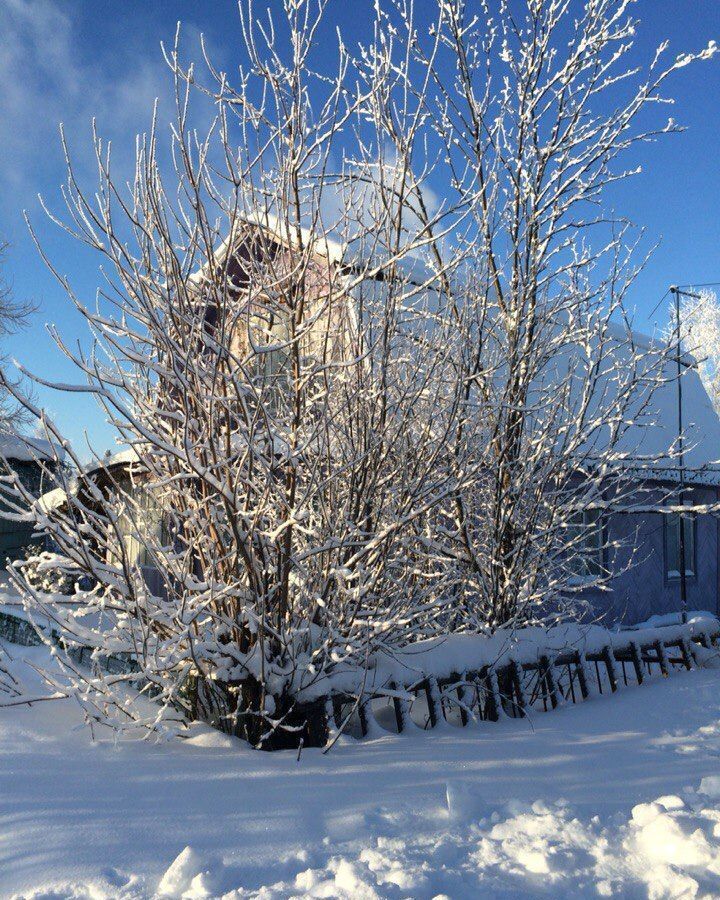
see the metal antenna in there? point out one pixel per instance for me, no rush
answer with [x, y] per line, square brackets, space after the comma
[681, 454]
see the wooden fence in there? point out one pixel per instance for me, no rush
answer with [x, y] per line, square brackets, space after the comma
[512, 689]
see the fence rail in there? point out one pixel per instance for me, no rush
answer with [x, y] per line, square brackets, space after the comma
[512, 689]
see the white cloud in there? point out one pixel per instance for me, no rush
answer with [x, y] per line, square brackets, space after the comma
[48, 77]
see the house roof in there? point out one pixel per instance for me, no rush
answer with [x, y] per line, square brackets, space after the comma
[701, 429]
[354, 253]
[23, 448]
[55, 498]
[649, 446]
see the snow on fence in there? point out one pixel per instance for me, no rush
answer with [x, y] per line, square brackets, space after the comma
[17, 629]
[463, 679]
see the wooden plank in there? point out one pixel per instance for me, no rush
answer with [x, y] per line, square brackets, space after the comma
[317, 724]
[685, 653]
[662, 658]
[516, 681]
[571, 678]
[597, 673]
[488, 684]
[337, 709]
[483, 694]
[363, 716]
[582, 675]
[330, 714]
[539, 685]
[460, 691]
[432, 697]
[496, 695]
[402, 713]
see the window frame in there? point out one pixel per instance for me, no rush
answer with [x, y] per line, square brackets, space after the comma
[154, 525]
[594, 565]
[673, 575]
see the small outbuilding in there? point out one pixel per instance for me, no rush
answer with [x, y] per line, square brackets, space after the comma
[30, 459]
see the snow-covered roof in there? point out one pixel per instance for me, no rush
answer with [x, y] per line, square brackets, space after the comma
[650, 445]
[58, 496]
[356, 252]
[122, 457]
[23, 448]
[701, 428]
[322, 246]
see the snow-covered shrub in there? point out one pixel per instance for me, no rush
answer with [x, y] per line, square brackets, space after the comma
[49, 572]
[349, 422]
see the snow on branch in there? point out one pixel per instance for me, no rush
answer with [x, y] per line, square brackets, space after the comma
[366, 340]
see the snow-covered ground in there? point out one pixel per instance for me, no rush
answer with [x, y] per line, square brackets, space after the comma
[616, 797]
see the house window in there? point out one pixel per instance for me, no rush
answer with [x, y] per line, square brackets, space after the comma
[585, 545]
[672, 544]
[271, 337]
[145, 525]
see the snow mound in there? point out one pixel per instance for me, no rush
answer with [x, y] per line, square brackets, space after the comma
[111, 885]
[668, 848]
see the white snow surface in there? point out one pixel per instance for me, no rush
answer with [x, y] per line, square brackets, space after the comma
[23, 448]
[616, 797]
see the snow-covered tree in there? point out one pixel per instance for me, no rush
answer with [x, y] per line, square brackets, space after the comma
[533, 112]
[700, 320]
[283, 396]
[14, 314]
[360, 338]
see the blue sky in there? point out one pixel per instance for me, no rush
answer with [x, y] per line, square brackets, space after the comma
[70, 60]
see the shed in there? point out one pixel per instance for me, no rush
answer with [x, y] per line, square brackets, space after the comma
[30, 458]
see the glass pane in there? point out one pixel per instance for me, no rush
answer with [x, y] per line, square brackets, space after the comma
[689, 543]
[672, 544]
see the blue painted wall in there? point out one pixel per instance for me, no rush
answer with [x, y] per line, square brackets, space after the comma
[642, 588]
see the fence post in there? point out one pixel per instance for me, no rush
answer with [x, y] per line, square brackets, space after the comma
[363, 716]
[402, 713]
[609, 661]
[499, 709]
[636, 661]
[582, 675]
[516, 682]
[317, 724]
[662, 657]
[547, 675]
[433, 700]
[685, 653]
[460, 691]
